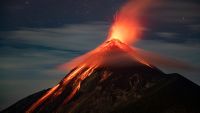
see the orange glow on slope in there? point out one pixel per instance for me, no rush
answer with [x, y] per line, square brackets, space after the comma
[78, 81]
[78, 75]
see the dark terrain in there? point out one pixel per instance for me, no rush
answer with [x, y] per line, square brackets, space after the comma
[137, 89]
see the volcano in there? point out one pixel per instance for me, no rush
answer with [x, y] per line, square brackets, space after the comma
[113, 78]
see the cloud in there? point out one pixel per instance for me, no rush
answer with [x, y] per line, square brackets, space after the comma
[40, 49]
[176, 11]
[76, 36]
[175, 16]
[195, 27]
[166, 34]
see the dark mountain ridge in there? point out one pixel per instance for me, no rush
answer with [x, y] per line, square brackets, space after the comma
[125, 84]
[125, 92]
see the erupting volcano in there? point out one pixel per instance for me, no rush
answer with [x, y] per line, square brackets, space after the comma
[117, 78]
[112, 54]
[114, 78]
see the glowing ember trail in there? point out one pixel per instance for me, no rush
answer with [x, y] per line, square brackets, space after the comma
[36, 104]
[78, 75]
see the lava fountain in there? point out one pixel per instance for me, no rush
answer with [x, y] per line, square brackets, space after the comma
[127, 26]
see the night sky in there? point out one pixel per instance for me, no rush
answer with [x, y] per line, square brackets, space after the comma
[36, 36]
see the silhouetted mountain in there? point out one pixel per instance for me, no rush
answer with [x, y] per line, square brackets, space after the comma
[115, 88]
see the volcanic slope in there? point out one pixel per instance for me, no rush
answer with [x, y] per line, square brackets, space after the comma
[114, 79]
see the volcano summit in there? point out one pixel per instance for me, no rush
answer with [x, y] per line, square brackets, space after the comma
[113, 78]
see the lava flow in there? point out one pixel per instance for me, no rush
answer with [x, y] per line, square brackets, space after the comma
[112, 53]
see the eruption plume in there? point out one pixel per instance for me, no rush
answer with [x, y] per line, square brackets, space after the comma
[127, 26]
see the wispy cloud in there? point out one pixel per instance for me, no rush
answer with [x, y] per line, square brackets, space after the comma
[176, 11]
[166, 34]
[76, 36]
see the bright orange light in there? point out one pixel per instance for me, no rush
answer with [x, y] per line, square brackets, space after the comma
[125, 30]
[127, 24]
